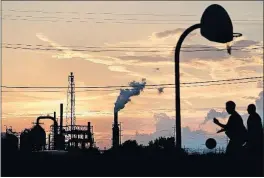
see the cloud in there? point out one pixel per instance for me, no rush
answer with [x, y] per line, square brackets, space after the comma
[249, 97]
[194, 66]
[188, 53]
[260, 84]
[194, 52]
[167, 33]
[147, 58]
[132, 63]
[67, 53]
[205, 52]
[245, 43]
[118, 69]
[250, 69]
[259, 105]
[164, 128]
[114, 64]
[214, 114]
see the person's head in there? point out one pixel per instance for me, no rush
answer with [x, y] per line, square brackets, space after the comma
[251, 109]
[230, 107]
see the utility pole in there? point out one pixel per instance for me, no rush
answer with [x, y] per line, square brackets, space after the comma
[174, 133]
[54, 115]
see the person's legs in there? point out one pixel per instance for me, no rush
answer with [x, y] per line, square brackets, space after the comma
[230, 148]
[234, 148]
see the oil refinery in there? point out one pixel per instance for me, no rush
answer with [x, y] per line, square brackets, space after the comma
[62, 135]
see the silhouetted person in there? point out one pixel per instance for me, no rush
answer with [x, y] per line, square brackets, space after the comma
[255, 132]
[234, 129]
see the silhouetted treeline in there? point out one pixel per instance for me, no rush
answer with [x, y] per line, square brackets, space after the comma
[159, 158]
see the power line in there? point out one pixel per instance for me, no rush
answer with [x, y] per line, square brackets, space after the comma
[42, 91]
[221, 84]
[112, 22]
[110, 13]
[124, 19]
[100, 112]
[127, 86]
[122, 50]
[234, 79]
[190, 86]
[121, 47]
[95, 13]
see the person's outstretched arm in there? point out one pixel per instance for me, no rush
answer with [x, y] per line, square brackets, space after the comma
[219, 131]
[219, 124]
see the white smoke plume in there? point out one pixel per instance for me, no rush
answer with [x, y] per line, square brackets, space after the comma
[125, 94]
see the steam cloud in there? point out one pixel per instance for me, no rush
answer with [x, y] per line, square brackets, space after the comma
[125, 94]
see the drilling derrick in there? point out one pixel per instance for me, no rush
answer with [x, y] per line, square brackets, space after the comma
[70, 117]
[78, 136]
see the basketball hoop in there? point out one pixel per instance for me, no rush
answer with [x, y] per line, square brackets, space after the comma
[228, 45]
[236, 35]
[216, 26]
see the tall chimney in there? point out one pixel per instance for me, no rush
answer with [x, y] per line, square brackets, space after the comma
[115, 138]
[115, 117]
[61, 118]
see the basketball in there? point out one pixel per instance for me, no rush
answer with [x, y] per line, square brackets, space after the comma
[210, 143]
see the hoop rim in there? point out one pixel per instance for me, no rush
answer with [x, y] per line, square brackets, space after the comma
[235, 35]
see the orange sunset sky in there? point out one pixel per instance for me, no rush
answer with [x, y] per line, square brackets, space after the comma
[145, 34]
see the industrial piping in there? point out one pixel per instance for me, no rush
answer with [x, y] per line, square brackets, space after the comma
[55, 127]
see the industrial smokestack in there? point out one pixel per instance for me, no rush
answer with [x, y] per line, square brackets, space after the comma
[89, 126]
[61, 118]
[115, 118]
[121, 101]
[115, 131]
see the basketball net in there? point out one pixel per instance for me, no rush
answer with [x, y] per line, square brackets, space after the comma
[229, 44]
